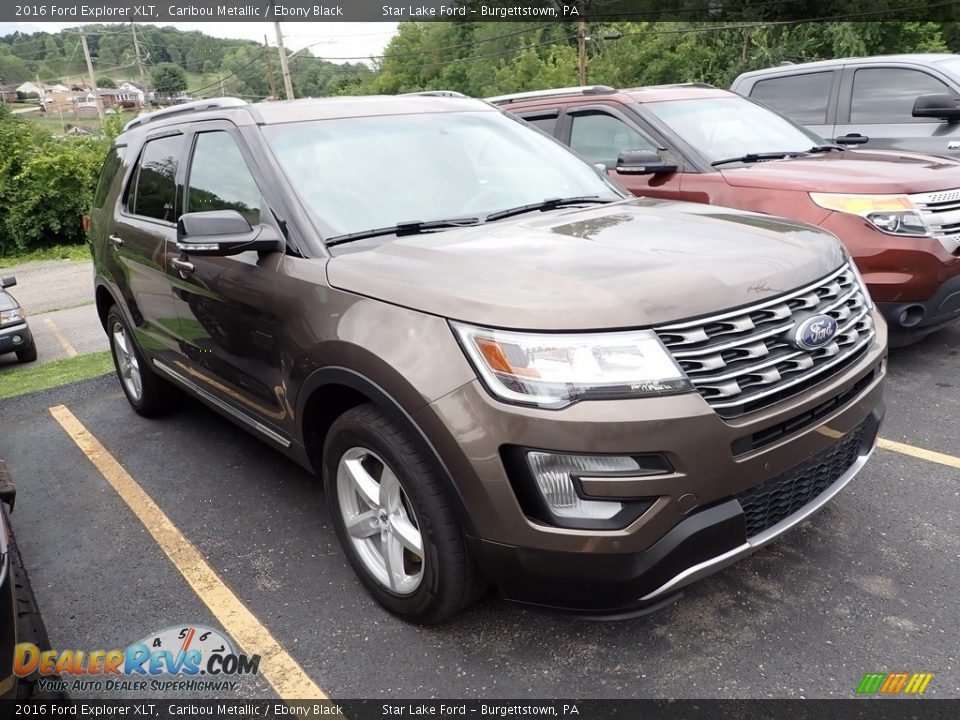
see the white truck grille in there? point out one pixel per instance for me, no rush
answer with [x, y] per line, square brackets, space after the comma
[941, 211]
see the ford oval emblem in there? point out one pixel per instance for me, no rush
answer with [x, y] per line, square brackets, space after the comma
[815, 332]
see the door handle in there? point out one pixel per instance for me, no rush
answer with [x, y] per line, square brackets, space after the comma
[115, 240]
[852, 139]
[182, 265]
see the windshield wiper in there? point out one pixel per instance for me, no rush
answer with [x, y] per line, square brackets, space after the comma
[756, 157]
[551, 204]
[411, 227]
[826, 148]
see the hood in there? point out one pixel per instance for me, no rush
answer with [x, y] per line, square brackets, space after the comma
[853, 171]
[629, 264]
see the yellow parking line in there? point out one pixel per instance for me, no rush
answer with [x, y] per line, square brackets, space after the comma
[278, 667]
[61, 338]
[917, 452]
[903, 449]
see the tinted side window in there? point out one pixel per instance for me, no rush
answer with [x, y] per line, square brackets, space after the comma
[802, 98]
[155, 192]
[601, 138]
[220, 178]
[111, 166]
[886, 95]
[547, 123]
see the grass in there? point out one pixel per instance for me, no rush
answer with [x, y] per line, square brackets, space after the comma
[56, 252]
[33, 378]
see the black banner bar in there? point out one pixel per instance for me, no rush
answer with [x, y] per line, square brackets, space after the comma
[859, 709]
[96, 11]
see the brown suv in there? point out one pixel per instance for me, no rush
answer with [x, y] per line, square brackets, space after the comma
[504, 368]
[897, 213]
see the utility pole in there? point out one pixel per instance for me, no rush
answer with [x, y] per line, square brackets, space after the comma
[93, 78]
[136, 49]
[223, 91]
[582, 43]
[287, 84]
[270, 82]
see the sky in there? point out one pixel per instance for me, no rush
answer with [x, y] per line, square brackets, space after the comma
[327, 39]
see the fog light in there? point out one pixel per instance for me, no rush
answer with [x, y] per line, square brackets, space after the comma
[17, 339]
[554, 475]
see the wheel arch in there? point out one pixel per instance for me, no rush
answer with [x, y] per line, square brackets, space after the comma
[329, 392]
[104, 299]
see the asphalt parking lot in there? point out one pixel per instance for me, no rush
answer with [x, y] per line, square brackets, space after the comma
[868, 585]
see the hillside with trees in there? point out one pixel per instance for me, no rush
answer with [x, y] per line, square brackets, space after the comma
[210, 65]
[475, 58]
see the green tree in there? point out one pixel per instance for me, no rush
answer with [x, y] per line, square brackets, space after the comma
[168, 79]
[45, 184]
[106, 82]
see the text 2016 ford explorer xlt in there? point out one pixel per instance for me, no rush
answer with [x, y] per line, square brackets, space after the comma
[504, 370]
[898, 214]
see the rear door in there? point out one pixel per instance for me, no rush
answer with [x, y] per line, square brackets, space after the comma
[808, 98]
[876, 103]
[227, 305]
[143, 238]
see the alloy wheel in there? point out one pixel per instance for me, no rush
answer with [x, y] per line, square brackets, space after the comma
[380, 521]
[127, 364]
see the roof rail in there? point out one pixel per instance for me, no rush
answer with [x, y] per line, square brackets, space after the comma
[438, 93]
[194, 106]
[579, 90]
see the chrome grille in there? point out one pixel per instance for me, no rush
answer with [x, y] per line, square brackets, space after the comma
[741, 361]
[941, 212]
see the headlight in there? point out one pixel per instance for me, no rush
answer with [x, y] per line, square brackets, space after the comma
[555, 370]
[892, 214]
[8, 317]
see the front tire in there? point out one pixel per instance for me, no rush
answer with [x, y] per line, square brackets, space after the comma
[147, 393]
[394, 521]
[27, 355]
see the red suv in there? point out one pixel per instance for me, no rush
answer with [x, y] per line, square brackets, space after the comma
[898, 213]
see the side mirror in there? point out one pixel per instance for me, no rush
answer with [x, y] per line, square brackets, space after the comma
[8, 282]
[223, 232]
[643, 162]
[940, 106]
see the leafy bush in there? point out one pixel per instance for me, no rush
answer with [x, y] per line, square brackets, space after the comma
[46, 185]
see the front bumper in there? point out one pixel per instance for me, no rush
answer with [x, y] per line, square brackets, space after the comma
[621, 585]
[926, 316]
[694, 524]
[914, 281]
[16, 337]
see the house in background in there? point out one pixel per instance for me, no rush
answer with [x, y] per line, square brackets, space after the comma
[134, 88]
[28, 87]
[8, 93]
[111, 97]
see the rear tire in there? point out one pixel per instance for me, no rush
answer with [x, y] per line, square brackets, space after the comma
[27, 355]
[405, 543]
[148, 394]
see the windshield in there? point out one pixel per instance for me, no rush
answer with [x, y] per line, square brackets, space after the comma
[732, 127]
[357, 174]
